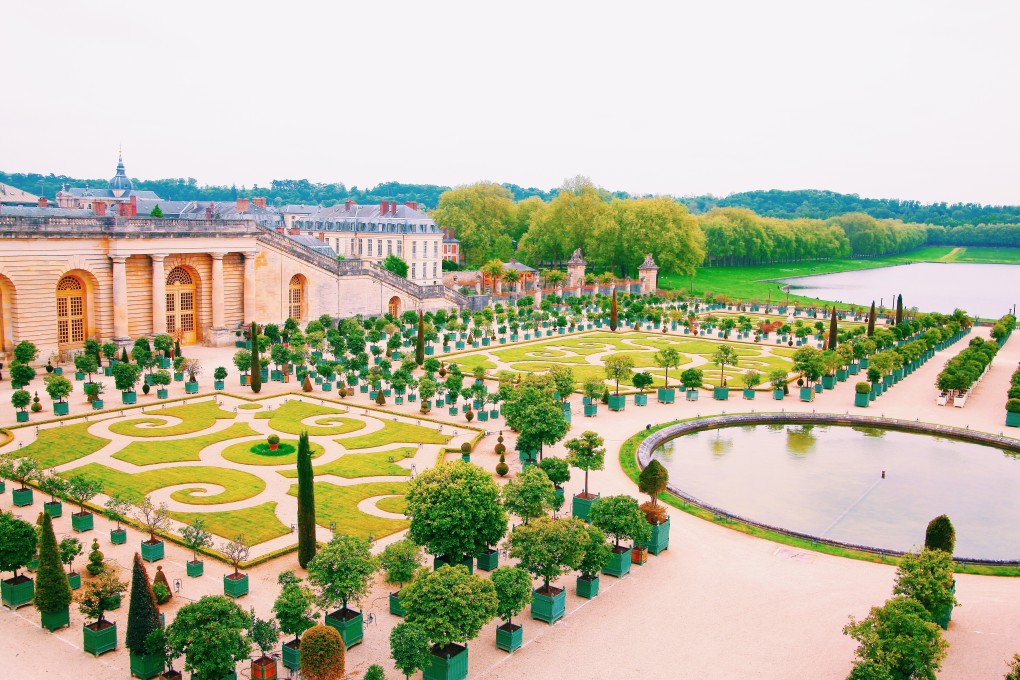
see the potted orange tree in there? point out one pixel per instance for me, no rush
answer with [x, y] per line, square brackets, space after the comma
[196, 537]
[586, 453]
[513, 592]
[154, 518]
[653, 480]
[99, 595]
[18, 540]
[596, 555]
[82, 489]
[549, 548]
[620, 517]
[400, 560]
[236, 584]
[342, 571]
[264, 633]
[293, 611]
[116, 510]
[618, 368]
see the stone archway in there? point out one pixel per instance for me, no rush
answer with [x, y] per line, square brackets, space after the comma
[394, 307]
[72, 318]
[182, 305]
[297, 298]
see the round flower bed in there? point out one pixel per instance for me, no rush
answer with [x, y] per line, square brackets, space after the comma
[282, 449]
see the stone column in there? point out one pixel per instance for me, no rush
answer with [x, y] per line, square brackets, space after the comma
[217, 289]
[120, 302]
[158, 293]
[249, 287]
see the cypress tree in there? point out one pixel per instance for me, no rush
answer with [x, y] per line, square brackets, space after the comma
[419, 347]
[143, 614]
[52, 591]
[256, 363]
[871, 320]
[613, 317]
[833, 335]
[899, 309]
[306, 502]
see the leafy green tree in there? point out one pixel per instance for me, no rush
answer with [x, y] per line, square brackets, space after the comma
[293, 606]
[529, 496]
[940, 534]
[52, 590]
[596, 553]
[667, 358]
[394, 264]
[375, 672]
[450, 605]
[482, 215]
[409, 647]
[618, 368]
[536, 416]
[692, 378]
[419, 345]
[99, 594]
[642, 380]
[549, 548]
[586, 453]
[196, 537]
[70, 549]
[17, 543]
[322, 654]
[455, 510]
[513, 591]
[156, 212]
[211, 634]
[653, 480]
[724, 356]
[557, 469]
[621, 518]
[342, 571]
[927, 577]
[82, 489]
[125, 376]
[58, 387]
[143, 613]
[265, 633]
[1014, 668]
[306, 502]
[400, 560]
[900, 638]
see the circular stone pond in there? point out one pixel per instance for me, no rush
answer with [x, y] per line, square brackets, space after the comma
[825, 480]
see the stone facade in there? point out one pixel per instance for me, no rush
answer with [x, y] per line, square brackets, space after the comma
[63, 280]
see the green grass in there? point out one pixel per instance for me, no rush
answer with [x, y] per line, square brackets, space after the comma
[395, 504]
[394, 432]
[287, 419]
[241, 453]
[258, 523]
[194, 418]
[237, 485]
[179, 450]
[339, 505]
[249, 407]
[355, 465]
[987, 255]
[470, 362]
[581, 373]
[59, 445]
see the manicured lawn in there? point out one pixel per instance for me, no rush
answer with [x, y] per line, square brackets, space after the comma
[395, 432]
[287, 418]
[241, 453]
[395, 504]
[469, 362]
[258, 524]
[194, 418]
[179, 450]
[237, 485]
[990, 255]
[354, 465]
[62, 444]
[581, 373]
[339, 505]
[249, 407]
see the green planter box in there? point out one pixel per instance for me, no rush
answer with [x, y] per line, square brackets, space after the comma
[235, 587]
[52, 621]
[588, 588]
[641, 400]
[590, 410]
[291, 655]
[108, 371]
[853, 369]
[17, 592]
[692, 394]
[195, 568]
[549, 608]
[947, 614]
[488, 560]
[396, 608]
[118, 536]
[617, 402]
[666, 395]
[22, 416]
[128, 398]
[862, 399]
[581, 507]
[191, 387]
[807, 394]
[145, 666]
[61, 408]
[452, 665]
[619, 563]
[22, 497]
[54, 509]
[74, 580]
[453, 410]
[659, 540]
[749, 394]
[153, 552]
[162, 393]
[721, 393]
[217, 384]
[828, 382]
[483, 416]
[349, 624]
[97, 642]
[842, 374]
[1012, 419]
[443, 560]
[509, 637]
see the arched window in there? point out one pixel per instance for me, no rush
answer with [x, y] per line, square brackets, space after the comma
[70, 312]
[394, 307]
[180, 306]
[296, 298]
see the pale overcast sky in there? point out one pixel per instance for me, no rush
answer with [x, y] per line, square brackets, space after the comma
[885, 99]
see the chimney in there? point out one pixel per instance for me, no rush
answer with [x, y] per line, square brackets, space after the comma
[209, 211]
[242, 205]
[393, 205]
[259, 202]
[322, 236]
[99, 208]
[383, 207]
[281, 230]
[294, 231]
[347, 204]
[127, 209]
[42, 202]
[413, 205]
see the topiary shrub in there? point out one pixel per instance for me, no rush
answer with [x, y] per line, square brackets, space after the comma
[375, 672]
[863, 388]
[655, 514]
[322, 654]
[940, 534]
[465, 448]
[1013, 405]
[160, 580]
[306, 386]
[96, 566]
[380, 398]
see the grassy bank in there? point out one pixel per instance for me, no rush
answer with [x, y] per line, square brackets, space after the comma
[754, 282]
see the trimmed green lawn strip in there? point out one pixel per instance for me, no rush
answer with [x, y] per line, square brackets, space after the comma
[179, 450]
[394, 504]
[355, 465]
[394, 432]
[258, 524]
[241, 453]
[249, 407]
[194, 418]
[339, 505]
[60, 445]
[237, 485]
[287, 419]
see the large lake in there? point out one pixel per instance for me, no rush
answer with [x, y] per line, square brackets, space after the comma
[984, 290]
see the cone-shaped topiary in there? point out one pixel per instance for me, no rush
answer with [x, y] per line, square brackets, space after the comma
[306, 386]
[613, 315]
[52, 591]
[256, 363]
[95, 567]
[306, 502]
[322, 654]
[940, 534]
[871, 320]
[653, 480]
[833, 330]
[160, 580]
[143, 614]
